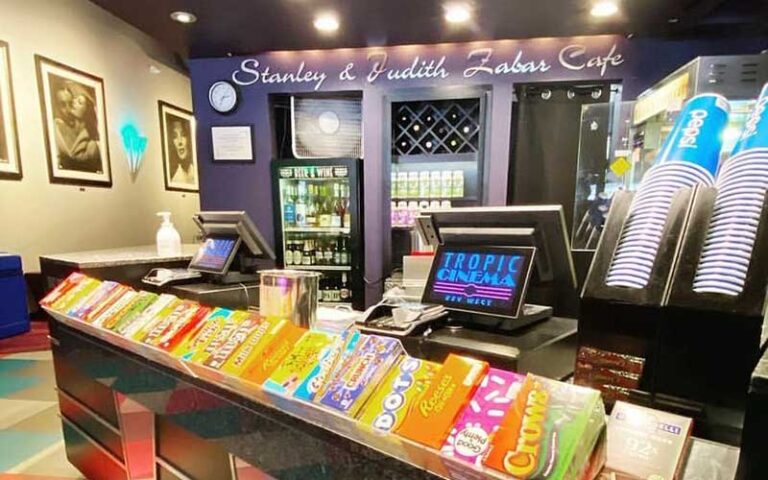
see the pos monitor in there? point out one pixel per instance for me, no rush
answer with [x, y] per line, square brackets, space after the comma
[230, 242]
[553, 282]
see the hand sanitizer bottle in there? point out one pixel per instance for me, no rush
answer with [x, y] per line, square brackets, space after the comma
[168, 239]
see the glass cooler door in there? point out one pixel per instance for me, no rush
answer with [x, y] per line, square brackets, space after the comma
[317, 207]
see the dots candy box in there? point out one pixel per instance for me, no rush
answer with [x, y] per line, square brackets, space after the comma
[430, 418]
[471, 434]
[549, 433]
[361, 373]
[299, 363]
[405, 382]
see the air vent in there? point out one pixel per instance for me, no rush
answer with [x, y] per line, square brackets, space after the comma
[327, 127]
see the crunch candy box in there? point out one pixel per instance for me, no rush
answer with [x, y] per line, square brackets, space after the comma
[430, 418]
[549, 432]
[471, 434]
[404, 383]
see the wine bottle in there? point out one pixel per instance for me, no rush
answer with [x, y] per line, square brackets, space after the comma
[300, 207]
[344, 293]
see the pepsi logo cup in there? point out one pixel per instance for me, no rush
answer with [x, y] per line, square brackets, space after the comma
[755, 133]
[696, 136]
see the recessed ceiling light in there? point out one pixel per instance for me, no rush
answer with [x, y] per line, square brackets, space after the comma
[184, 17]
[327, 22]
[457, 13]
[673, 20]
[604, 8]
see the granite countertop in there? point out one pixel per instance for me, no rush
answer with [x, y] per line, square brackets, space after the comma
[120, 256]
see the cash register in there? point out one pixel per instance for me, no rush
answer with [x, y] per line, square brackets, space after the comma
[507, 279]
[232, 251]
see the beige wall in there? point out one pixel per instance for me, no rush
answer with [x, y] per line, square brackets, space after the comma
[37, 217]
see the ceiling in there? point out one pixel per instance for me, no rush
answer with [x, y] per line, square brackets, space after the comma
[253, 26]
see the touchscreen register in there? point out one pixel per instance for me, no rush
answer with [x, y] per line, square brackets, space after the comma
[485, 280]
[215, 254]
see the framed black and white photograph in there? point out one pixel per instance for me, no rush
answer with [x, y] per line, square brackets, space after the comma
[75, 124]
[10, 162]
[177, 132]
[232, 143]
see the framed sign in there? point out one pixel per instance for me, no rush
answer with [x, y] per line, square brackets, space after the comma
[10, 162]
[232, 143]
[75, 124]
[177, 132]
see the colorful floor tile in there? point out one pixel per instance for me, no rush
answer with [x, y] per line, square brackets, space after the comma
[30, 429]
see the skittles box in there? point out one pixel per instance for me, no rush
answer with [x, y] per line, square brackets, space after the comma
[361, 373]
[300, 362]
[335, 354]
[471, 434]
[549, 432]
[430, 418]
[406, 381]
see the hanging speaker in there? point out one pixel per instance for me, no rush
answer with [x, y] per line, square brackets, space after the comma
[327, 127]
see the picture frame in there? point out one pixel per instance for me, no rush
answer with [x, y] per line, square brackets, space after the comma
[10, 159]
[178, 137]
[73, 105]
[232, 144]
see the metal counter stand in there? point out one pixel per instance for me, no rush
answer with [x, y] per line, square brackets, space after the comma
[209, 425]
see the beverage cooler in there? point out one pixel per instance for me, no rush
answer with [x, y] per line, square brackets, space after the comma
[318, 210]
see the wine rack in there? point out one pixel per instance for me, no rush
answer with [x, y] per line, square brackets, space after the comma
[434, 127]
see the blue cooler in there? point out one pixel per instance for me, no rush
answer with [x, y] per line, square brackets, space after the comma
[14, 317]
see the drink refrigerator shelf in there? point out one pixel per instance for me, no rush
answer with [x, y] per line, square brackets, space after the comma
[318, 208]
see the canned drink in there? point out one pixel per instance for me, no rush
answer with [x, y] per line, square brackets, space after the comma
[696, 136]
[423, 184]
[435, 185]
[755, 133]
[402, 184]
[445, 204]
[413, 184]
[393, 185]
[457, 187]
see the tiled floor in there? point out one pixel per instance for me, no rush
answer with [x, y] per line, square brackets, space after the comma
[31, 443]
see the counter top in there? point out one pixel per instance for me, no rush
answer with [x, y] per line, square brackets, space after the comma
[120, 256]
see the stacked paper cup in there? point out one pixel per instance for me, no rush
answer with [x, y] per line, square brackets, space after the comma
[741, 184]
[689, 157]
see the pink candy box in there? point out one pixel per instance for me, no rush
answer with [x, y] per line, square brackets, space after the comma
[471, 434]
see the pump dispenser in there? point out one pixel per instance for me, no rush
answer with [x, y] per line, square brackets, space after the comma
[168, 239]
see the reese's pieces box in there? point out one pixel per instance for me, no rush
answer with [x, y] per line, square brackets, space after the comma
[431, 416]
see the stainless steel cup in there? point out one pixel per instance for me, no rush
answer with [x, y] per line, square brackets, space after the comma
[290, 294]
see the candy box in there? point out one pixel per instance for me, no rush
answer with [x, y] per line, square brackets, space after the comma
[181, 312]
[471, 434]
[256, 340]
[117, 307]
[271, 352]
[120, 322]
[148, 316]
[298, 364]
[220, 338]
[334, 354]
[106, 303]
[203, 335]
[89, 302]
[361, 373]
[430, 418]
[72, 281]
[152, 320]
[75, 294]
[550, 431]
[406, 381]
[238, 337]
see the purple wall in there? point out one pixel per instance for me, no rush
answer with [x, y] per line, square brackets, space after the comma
[637, 63]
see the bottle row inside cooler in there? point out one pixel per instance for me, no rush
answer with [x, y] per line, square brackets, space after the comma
[335, 288]
[323, 203]
[404, 213]
[318, 251]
